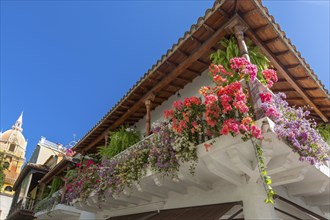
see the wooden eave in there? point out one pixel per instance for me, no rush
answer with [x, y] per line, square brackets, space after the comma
[58, 169]
[189, 57]
[27, 168]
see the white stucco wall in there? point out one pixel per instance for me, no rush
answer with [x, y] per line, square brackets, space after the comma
[189, 90]
[5, 203]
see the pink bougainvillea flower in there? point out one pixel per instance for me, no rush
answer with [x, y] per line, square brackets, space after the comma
[256, 132]
[169, 114]
[241, 106]
[270, 76]
[243, 128]
[266, 97]
[210, 99]
[178, 105]
[271, 112]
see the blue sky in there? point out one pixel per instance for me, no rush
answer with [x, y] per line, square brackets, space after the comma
[66, 63]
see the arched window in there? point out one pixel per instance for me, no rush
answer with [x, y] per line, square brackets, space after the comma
[12, 147]
[8, 188]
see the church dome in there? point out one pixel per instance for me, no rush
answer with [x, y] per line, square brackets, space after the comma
[13, 136]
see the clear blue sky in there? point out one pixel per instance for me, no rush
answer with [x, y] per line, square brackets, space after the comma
[66, 63]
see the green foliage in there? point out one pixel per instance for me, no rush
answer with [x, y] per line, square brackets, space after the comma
[324, 130]
[2, 168]
[46, 204]
[264, 175]
[71, 174]
[45, 192]
[56, 185]
[119, 141]
[231, 50]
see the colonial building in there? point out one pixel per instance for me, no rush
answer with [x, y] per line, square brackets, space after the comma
[13, 147]
[45, 156]
[227, 183]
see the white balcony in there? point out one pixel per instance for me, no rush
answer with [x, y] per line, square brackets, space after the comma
[227, 173]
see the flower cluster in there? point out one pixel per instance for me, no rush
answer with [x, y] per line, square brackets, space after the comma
[79, 182]
[224, 109]
[270, 76]
[242, 65]
[69, 153]
[157, 152]
[291, 124]
[186, 116]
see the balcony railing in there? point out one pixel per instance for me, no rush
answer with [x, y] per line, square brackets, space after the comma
[26, 204]
[50, 202]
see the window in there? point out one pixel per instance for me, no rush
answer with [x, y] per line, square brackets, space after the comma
[12, 147]
[6, 165]
[8, 188]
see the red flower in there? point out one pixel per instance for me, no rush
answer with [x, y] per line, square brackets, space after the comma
[270, 76]
[256, 132]
[224, 130]
[169, 114]
[218, 79]
[89, 163]
[210, 99]
[178, 105]
[266, 97]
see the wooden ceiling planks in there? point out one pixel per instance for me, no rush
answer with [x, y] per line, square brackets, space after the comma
[289, 68]
[190, 57]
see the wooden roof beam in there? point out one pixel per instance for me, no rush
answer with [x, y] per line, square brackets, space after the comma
[237, 5]
[284, 90]
[131, 101]
[325, 108]
[152, 81]
[223, 13]
[316, 99]
[293, 90]
[251, 12]
[179, 69]
[282, 53]
[195, 73]
[196, 40]
[272, 40]
[296, 79]
[185, 55]
[283, 71]
[208, 28]
[161, 73]
[184, 80]
[176, 85]
[293, 66]
[212, 40]
[202, 62]
[165, 92]
[320, 99]
[261, 28]
[170, 63]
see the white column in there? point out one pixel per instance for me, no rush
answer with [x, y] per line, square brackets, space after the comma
[87, 216]
[254, 207]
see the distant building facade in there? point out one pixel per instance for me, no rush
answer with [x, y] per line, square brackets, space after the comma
[13, 147]
[45, 155]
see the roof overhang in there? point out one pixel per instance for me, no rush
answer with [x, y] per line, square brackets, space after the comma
[29, 167]
[58, 169]
[189, 57]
